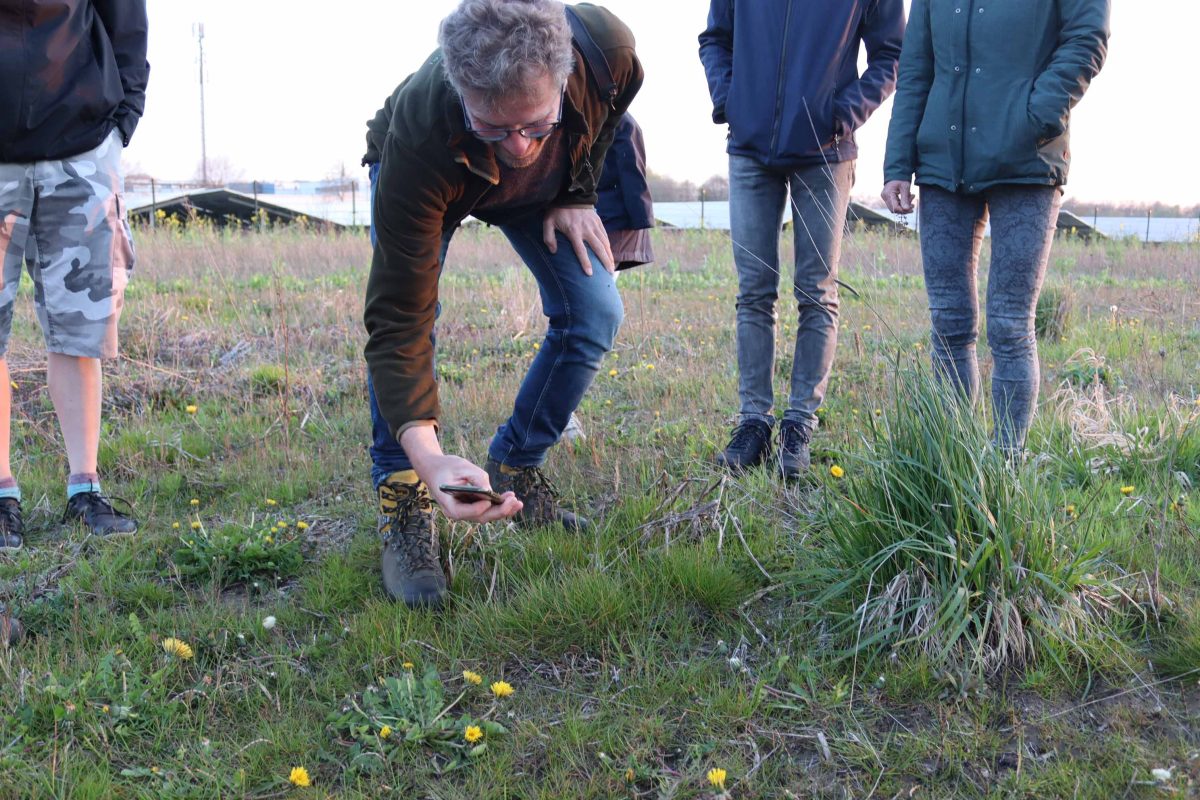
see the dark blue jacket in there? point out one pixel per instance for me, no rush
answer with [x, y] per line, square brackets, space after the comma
[784, 74]
[622, 194]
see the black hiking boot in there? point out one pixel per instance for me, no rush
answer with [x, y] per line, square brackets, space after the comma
[749, 446]
[534, 490]
[411, 569]
[96, 512]
[12, 527]
[794, 459]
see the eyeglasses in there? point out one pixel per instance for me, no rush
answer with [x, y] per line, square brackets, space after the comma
[538, 130]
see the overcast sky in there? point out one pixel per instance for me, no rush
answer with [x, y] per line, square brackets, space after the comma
[289, 87]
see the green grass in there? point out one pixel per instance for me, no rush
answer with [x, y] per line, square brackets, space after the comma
[695, 628]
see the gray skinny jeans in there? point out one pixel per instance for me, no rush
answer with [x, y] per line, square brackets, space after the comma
[952, 224]
[758, 198]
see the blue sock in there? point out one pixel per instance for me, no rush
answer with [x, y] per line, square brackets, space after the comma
[9, 488]
[83, 482]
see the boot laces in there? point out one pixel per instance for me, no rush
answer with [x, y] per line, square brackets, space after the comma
[407, 509]
[745, 434]
[794, 437]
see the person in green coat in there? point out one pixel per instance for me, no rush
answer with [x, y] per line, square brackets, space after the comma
[982, 120]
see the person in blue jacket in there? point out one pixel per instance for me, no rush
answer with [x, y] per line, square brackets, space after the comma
[623, 197]
[783, 75]
[982, 119]
[625, 207]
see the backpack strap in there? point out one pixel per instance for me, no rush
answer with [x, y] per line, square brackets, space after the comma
[597, 64]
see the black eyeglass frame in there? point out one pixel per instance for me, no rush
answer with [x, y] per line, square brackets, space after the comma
[497, 135]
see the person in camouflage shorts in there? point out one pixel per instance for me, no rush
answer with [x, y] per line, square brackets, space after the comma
[63, 219]
[73, 78]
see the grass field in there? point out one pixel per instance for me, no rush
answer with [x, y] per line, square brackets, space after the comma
[693, 631]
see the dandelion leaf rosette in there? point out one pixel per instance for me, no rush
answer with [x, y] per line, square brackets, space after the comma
[418, 714]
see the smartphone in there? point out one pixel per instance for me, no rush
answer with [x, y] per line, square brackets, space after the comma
[472, 494]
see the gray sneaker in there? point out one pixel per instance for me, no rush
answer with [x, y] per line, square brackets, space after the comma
[412, 571]
[574, 430]
[11, 630]
[533, 489]
[97, 514]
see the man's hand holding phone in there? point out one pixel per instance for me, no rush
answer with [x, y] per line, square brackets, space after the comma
[474, 501]
[471, 494]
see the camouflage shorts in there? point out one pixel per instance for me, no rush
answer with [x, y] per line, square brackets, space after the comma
[65, 220]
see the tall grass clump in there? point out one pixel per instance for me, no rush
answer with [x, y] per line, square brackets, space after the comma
[1052, 317]
[937, 541]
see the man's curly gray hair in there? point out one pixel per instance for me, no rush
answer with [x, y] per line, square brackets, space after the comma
[502, 49]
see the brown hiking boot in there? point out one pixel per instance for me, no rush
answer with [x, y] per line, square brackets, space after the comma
[11, 630]
[533, 489]
[411, 569]
[12, 527]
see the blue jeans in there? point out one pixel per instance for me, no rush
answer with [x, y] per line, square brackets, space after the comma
[584, 314]
[951, 226]
[758, 197]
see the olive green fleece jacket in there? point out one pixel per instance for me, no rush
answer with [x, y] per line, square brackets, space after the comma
[432, 173]
[986, 89]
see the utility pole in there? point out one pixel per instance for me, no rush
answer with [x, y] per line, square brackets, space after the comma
[198, 29]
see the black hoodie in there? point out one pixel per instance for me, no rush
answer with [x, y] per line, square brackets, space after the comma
[70, 71]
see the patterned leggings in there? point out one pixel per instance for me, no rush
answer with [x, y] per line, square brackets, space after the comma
[1023, 220]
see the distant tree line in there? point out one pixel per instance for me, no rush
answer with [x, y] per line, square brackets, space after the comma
[1084, 209]
[665, 189]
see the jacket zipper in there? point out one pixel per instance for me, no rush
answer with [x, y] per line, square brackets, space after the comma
[787, 18]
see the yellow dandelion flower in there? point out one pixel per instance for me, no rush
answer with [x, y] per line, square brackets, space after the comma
[612, 373]
[1127, 490]
[195, 524]
[178, 648]
[271, 501]
[191, 409]
[407, 665]
[473, 733]
[836, 471]
[716, 776]
[268, 540]
[502, 688]
[650, 366]
[302, 525]
[473, 678]
[1071, 509]
[175, 525]
[104, 709]
[385, 731]
[195, 501]
[629, 776]
[299, 777]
